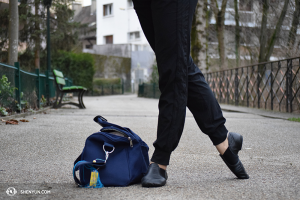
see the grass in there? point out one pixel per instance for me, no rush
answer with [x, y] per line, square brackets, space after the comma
[295, 119]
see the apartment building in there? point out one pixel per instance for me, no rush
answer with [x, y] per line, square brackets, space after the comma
[117, 23]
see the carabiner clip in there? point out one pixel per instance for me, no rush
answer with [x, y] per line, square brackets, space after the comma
[107, 152]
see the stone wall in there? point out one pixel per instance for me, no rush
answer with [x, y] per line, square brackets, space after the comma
[113, 67]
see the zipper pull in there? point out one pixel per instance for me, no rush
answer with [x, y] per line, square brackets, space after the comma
[130, 140]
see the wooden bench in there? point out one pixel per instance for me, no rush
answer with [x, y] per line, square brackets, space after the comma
[62, 89]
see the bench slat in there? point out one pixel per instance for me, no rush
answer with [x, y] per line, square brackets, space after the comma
[58, 73]
[74, 88]
[60, 81]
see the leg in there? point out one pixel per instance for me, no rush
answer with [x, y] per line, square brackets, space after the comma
[209, 118]
[81, 101]
[167, 25]
[144, 13]
[204, 106]
[80, 93]
[56, 100]
[172, 24]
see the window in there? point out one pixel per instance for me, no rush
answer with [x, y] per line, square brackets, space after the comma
[107, 9]
[89, 46]
[109, 39]
[230, 4]
[129, 3]
[134, 35]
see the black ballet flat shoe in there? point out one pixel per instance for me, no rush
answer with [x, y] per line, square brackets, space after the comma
[238, 169]
[235, 142]
[155, 177]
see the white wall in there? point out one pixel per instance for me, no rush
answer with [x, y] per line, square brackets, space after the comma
[122, 21]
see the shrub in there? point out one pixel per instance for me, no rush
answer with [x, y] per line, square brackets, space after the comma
[106, 81]
[6, 92]
[77, 66]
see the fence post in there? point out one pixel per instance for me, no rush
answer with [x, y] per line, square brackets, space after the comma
[112, 89]
[272, 86]
[47, 87]
[18, 82]
[102, 92]
[38, 88]
[227, 88]
[122, 86]
[220, 87]
[154, 90]
[213, 83]
[258, 83]
[236, 85]
[247, 86]
[289, 86]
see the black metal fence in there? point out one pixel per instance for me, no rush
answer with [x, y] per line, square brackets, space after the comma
[30, 86]
[149, 90]
[271, 85]
[108, 89]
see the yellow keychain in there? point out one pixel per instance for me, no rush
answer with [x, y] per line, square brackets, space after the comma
[94, 178]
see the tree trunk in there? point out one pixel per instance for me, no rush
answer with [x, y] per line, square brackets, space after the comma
[195, 43]
[237, 34]
[276, 32]
[263, 31]
[206, 31]
[198, 36]
[295, 23]
[13, 32]
[37, 40]
[220, 28]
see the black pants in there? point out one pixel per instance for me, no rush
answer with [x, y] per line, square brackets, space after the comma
[167, 26]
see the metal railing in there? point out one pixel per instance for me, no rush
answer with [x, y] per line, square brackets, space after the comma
[270, 85]
[149, 90]
[30, 86]
[108, 89]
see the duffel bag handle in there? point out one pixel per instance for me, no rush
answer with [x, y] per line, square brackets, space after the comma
[104, 123]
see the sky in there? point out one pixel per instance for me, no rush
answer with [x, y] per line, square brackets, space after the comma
[86, 2]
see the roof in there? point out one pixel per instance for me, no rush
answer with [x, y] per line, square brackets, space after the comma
[84, 16]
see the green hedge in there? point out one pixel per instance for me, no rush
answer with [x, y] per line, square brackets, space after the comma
[78, 66]
[106, 81]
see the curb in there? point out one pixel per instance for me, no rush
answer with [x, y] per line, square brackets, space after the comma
[20, 115]
[259, 112]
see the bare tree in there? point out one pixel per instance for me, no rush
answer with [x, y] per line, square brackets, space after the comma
[198, 35]
[13, 32]
[37, 35]
[267, 45]
[295, 23]
[220, 28]
[237, 33]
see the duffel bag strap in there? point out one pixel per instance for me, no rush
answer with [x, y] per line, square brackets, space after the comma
[84, 163]
[97, 163]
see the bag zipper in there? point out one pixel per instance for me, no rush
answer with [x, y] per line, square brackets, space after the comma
[111, 129]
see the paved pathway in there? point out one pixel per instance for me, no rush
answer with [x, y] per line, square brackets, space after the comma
[39, 155]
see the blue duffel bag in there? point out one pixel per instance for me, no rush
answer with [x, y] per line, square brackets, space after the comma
[115, 156]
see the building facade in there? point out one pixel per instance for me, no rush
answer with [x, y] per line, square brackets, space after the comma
[117, 23]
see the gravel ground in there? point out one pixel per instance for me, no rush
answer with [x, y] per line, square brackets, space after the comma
[38, 156]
